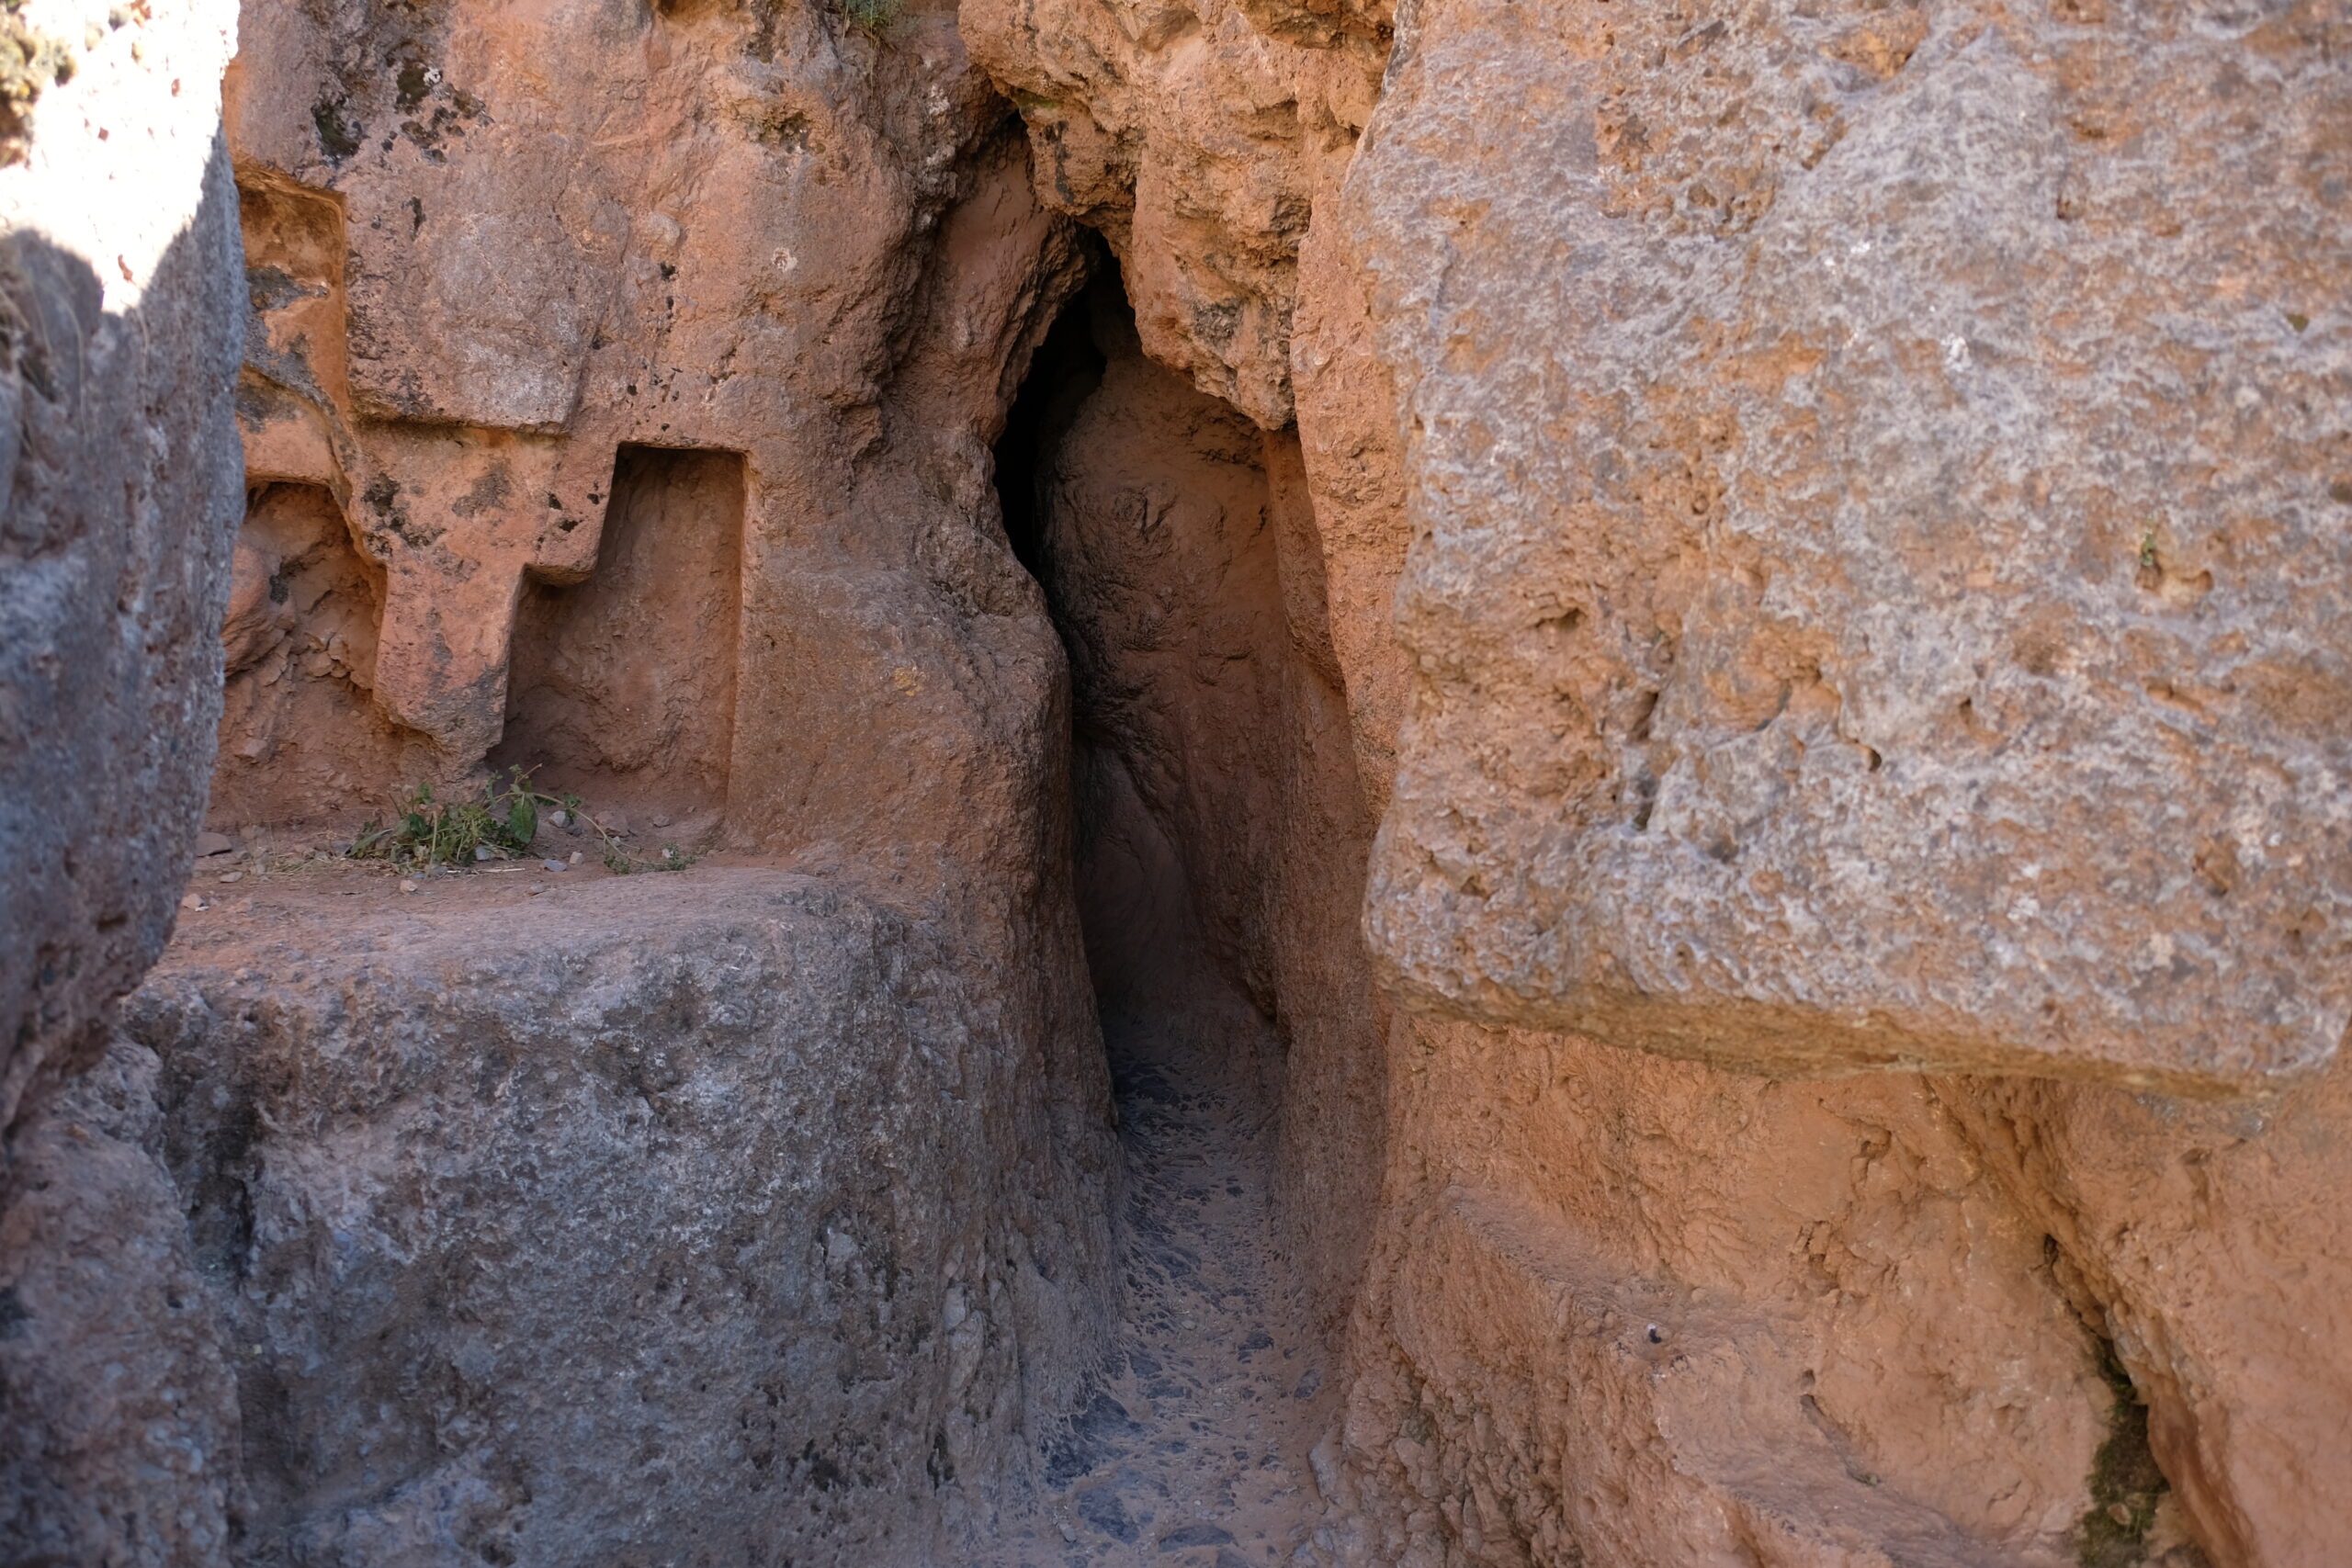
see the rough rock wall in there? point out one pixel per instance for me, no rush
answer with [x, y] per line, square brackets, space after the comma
[1889, 617]
[760, 204]
[120, 1430]
[1870, 472]
[120, 465]
[675, 488]
[710, 1217]
[122, 322]
[711, 424]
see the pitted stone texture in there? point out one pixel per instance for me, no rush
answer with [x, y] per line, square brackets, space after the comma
[1197, 137]
[119, 491]
[1883, 479]
[120, 1434]
[647, 1218]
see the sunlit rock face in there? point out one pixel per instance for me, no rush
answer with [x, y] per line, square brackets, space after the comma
[1881, 475]
[1815, 531]
[1870, 484]
[492, 249]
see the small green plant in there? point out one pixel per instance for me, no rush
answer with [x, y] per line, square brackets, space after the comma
[500, 826]
[2125, 1485]
[874, 15]
[427, 831]
[622, 863]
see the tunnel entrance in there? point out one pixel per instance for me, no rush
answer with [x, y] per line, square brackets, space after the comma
[1142, 506]
[1064, 371]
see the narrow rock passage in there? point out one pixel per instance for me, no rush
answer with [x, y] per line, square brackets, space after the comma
[1140, 507]
[1192, 1455]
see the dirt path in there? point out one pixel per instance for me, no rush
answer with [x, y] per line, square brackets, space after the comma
[1193, 1456]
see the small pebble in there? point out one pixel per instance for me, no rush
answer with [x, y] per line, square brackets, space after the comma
[407, 886]
[660, 819]
[556, 864]
[538, 888]
[213, 844]
[192, 901]
[575, 859]
[482, 851]
[560, 818]
[232, 876]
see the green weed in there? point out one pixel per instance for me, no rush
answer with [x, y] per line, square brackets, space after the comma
[622, 861]
[426, 831]
[500, 826]
[2125, 1485]
[874, 15]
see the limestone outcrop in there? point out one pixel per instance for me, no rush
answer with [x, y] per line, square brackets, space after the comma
[708, 428]
[1871, 609]
[1865, 514]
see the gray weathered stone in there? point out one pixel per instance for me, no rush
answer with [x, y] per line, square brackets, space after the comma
[118, 1421]
[640, 1221]
[121, 487]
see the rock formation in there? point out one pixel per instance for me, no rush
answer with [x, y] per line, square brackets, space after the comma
[700, 452]
[1664, 677]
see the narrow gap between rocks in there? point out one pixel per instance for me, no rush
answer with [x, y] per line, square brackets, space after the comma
[1190, 1451]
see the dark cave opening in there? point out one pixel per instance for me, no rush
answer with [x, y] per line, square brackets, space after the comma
[1066, 369]
[1141, 506]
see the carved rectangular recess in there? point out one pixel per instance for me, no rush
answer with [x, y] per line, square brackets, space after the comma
[622, 687]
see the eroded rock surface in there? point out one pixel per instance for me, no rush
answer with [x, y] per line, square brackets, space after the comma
[777, 239]
[118, 261]
[1644, 325]
[119, 491]
[121, 1432]
[1880, 480]
[1870, 483]
[644, 1219]
[769, 321]
[1196, 141]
